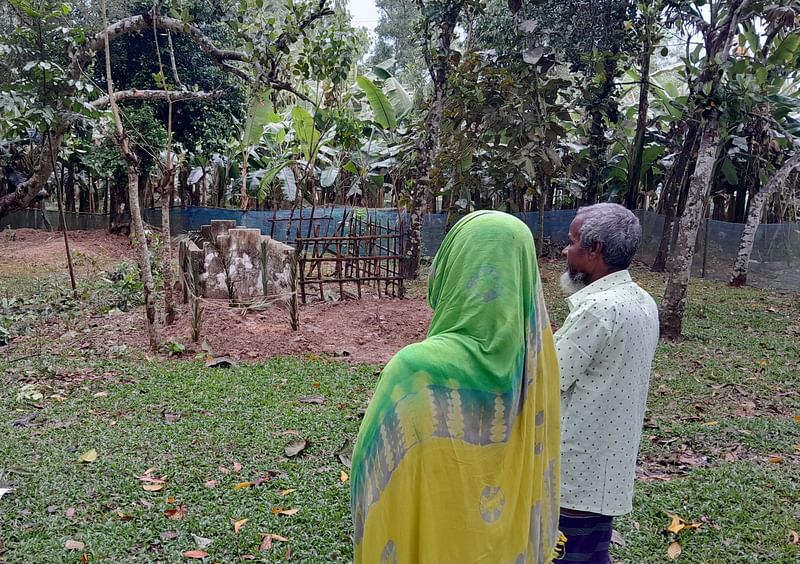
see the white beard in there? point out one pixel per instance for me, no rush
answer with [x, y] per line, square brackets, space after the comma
[571, 283]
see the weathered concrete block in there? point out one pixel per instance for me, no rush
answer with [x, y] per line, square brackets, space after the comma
[281, 267]
[215, 279]
[190, 261]
[218, 227]
[242, 265]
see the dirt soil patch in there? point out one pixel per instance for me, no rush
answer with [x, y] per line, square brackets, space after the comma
[31, 252]
[369, 330]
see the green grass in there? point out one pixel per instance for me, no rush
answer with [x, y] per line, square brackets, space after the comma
[226, 416]
[724, 398]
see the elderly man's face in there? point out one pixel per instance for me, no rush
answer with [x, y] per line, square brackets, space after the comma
[577, 260]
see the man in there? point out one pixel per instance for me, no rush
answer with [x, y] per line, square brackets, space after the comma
[605, 349]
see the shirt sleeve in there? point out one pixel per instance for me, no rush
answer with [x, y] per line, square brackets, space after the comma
[580, 341]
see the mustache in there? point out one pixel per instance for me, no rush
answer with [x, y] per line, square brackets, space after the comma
[572, 281]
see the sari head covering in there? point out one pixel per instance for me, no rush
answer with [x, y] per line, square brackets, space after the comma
[457, 458]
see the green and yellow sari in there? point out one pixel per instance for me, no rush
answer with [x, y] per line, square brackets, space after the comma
[457, 459]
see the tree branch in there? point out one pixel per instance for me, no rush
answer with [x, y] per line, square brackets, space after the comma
[320, 12]
[135, 24]
[777, 127]
[174, 95]
[285, 86]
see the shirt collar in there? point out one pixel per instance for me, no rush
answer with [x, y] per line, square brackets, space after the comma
[601, 285]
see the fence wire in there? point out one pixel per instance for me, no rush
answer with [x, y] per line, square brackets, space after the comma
[775, 261]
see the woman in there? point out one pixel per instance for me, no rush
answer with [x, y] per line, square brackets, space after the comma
[457, 459]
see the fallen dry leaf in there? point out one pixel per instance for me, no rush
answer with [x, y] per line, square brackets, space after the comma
[677, 525]
[168, 535]
[289, 512]
[797, 418]
[70, 513]
[265, 478]
[171, 499]
[243, 485]
[88, 456]
[295, 447]
[224, 470]
[776, 459]
[289, 432]
[153, 487]
[691, 459]
[195, 554]
[201, 542]
[746, 409]
[237, 467]
[345, 453]
[100, 394]
[211, 484]
[124, 516]
[319, 400]
[617, 538]
[287, 492]
[237, 525]
[343, 476]
[176, 513]
[151, 479]
[170, 418]
[794, 538]
[674, 550]
[73, 545]
[733, 454]
[266, 543]
[267, 540]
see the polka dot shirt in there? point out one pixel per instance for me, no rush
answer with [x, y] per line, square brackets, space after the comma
[605, 352]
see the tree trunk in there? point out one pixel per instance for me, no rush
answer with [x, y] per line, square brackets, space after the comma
[740, 266]
[84, 198]
[596, 153]
[674, 302]
[637, 150]
[140, 241]
[597, 130]
[33, 190]
[438, 63]
[545, 189]
[675, 185]
[119, 217]
[69, 186]
[140, 238]
[166, 267]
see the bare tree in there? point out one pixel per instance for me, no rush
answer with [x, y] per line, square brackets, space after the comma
[137, 224]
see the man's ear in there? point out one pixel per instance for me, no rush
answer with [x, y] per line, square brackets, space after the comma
[596, 250]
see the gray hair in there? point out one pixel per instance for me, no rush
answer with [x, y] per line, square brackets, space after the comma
[616, 228]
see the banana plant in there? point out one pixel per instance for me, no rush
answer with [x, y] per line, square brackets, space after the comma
[389, 104]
